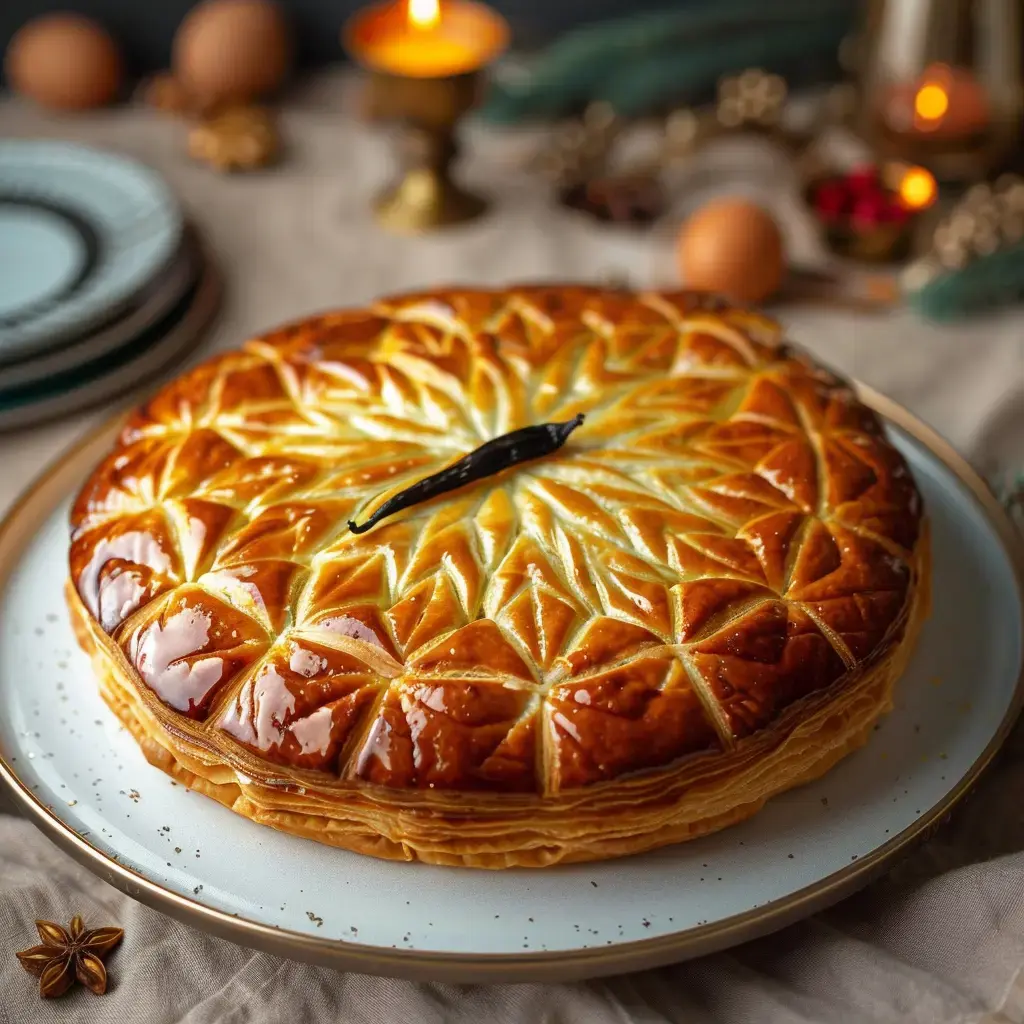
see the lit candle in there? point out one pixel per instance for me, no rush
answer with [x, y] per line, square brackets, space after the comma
[917, 188]
[425, 39]
[946, 104]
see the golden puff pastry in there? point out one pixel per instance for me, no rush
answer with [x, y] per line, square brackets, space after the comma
[702, 599]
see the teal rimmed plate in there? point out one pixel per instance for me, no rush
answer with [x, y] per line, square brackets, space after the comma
[82, 232]
[110, 377]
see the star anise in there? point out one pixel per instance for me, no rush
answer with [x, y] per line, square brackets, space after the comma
[69, 955]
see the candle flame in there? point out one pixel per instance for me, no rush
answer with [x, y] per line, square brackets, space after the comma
[917, 189]
[931, 102]
[424, 13]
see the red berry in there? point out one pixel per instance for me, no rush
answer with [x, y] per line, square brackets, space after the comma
[831, 200]
[896, 212]
[863, 179]
[869, 211]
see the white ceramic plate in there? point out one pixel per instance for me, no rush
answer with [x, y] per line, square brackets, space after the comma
[111, 376]
[81, 232]
[83, 779]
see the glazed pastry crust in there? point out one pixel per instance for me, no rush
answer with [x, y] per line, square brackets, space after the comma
[705, 599]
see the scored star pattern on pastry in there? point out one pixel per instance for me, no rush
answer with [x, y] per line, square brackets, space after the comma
[727, 533]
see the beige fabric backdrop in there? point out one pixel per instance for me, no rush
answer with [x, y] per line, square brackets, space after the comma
[941, 939]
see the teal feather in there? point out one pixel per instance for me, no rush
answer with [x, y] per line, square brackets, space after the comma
[985, 284]
[568, 75]
[675, 77]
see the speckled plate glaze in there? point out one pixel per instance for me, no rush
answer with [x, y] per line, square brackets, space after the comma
[82, 779]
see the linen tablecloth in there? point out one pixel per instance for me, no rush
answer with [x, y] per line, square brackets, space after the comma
[940, 939]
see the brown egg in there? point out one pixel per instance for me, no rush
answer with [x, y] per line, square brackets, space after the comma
[733, 247]
[64, 62]
[232, 51]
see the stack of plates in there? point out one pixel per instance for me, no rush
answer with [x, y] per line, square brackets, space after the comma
[102, 284]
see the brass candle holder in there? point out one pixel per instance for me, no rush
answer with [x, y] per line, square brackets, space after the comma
[425, 195]
[424, 62]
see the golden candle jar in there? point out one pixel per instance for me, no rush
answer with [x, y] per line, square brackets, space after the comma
[947, 104]
[941, 85]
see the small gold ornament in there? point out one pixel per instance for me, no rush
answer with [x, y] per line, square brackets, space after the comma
[241, 139]
[581, 149]
[751, 99]
[70, 955]
[988, 218]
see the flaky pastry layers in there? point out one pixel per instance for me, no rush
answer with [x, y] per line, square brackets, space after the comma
[704, 598]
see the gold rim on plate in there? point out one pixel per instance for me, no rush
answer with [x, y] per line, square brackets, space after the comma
[36, 503]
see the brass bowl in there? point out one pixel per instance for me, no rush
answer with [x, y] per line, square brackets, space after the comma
[881, 243]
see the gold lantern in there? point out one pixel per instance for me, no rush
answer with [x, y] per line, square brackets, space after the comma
[940, 83]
